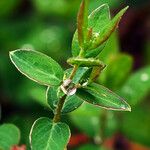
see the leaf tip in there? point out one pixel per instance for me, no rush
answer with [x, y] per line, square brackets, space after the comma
[11, 53]
[125, 9]
[127, 107]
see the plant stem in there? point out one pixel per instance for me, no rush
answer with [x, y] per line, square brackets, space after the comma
[73, 71]
[103, 119]
[61, 102]
[59, 108]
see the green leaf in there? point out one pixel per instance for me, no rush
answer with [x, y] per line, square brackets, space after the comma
[99, 18]
[71, 103]
[37, 66]
[96, 21]
[46, 135]
[117, 71]
[79, 75]
[107, 30]
[137, 86]
[100, 96]
[82, 22]
[9, 136]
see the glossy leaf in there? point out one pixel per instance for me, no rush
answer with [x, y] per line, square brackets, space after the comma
[107, 30]
[96, 24]
[117, 71]
[46, 135]
[9, 136]
[37, 66]
[99, 18]
[137, 86]
[71, 103]
[78, 76]
[100, 96]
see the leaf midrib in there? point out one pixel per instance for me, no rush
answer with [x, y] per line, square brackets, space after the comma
[38, 70]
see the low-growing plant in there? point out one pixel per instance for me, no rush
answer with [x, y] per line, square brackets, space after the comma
[68, 89]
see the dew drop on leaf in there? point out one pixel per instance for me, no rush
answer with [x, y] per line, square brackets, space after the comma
[72, 91]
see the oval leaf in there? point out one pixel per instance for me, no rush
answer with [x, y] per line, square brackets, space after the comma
[9, 136]
[46, 135]
[71, 102]
[37, 66]
[107, 30]
[79, 75]
[100, 96]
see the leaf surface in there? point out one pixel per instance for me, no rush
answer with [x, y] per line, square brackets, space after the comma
[100, 96]
[79, 75]
[96, 21]
[9, 136]
[71, 103]
[37, 66]
[107, 30]
[46, 135]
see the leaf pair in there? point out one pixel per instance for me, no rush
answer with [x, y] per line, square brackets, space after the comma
[101, 26]
[42, 68]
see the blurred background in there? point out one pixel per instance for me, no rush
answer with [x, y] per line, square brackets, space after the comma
[48, 26]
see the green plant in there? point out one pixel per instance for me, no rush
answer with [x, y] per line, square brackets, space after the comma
[67, 90]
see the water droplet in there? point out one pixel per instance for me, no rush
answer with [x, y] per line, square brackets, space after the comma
[144, 77]
[72, 91]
